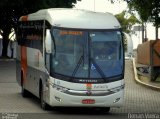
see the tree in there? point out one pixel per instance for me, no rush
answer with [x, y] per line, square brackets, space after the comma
[143, 8]
[126, 23]
[11, 10]
[155, 15]
[148, 10]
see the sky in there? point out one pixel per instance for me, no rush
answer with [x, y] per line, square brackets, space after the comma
[101, 6]
[117, 7]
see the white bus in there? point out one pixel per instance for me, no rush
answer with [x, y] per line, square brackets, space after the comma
[69, 57]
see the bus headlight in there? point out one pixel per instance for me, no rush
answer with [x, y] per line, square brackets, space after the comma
[117, 89]
[60, 88]
[57, 87]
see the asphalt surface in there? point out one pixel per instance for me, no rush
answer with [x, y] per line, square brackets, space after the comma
[139, 100]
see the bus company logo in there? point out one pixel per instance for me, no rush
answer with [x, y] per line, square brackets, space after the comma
[88, 86]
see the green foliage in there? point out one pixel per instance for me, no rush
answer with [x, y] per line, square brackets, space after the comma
[126, 23]
[143, 7]
[28, 6]
[11, 10]
[155, 15]
[125, 42]
[148, 10]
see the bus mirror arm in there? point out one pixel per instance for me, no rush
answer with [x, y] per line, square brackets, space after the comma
[48, 42]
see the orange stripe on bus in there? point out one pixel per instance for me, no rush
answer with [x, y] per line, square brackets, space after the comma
[24, 62]
[24, 18]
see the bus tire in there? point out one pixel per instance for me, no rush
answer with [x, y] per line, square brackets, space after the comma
[24, 92]
[105, 109]
[44, 105]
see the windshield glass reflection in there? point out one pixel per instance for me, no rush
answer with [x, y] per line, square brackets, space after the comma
[84, 54]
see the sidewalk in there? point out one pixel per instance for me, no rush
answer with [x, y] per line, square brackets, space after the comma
[144, 80]
[6, 59]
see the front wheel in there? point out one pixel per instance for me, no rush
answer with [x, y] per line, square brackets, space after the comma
[24, 92]
[104, 109]
[44, 105]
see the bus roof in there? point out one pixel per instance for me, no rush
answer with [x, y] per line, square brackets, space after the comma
[75, 18]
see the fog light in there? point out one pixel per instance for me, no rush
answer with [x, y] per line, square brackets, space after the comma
[117, 100]
[58, 99]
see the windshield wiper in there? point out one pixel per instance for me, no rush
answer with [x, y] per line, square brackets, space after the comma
[98, 69]
[77, 66]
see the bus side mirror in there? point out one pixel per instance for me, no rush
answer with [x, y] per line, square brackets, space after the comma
[48, 42]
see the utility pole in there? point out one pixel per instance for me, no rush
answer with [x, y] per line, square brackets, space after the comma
[94, 5]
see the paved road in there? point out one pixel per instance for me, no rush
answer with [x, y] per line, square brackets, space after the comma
[138, 99]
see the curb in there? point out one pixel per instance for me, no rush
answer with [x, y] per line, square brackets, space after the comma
[140, 82]
[7, 59]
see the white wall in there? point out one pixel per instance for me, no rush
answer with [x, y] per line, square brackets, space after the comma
[137, 37]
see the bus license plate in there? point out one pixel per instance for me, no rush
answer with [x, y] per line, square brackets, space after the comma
[88, 101]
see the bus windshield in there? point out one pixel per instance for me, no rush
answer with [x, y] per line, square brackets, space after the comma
[87, 55]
